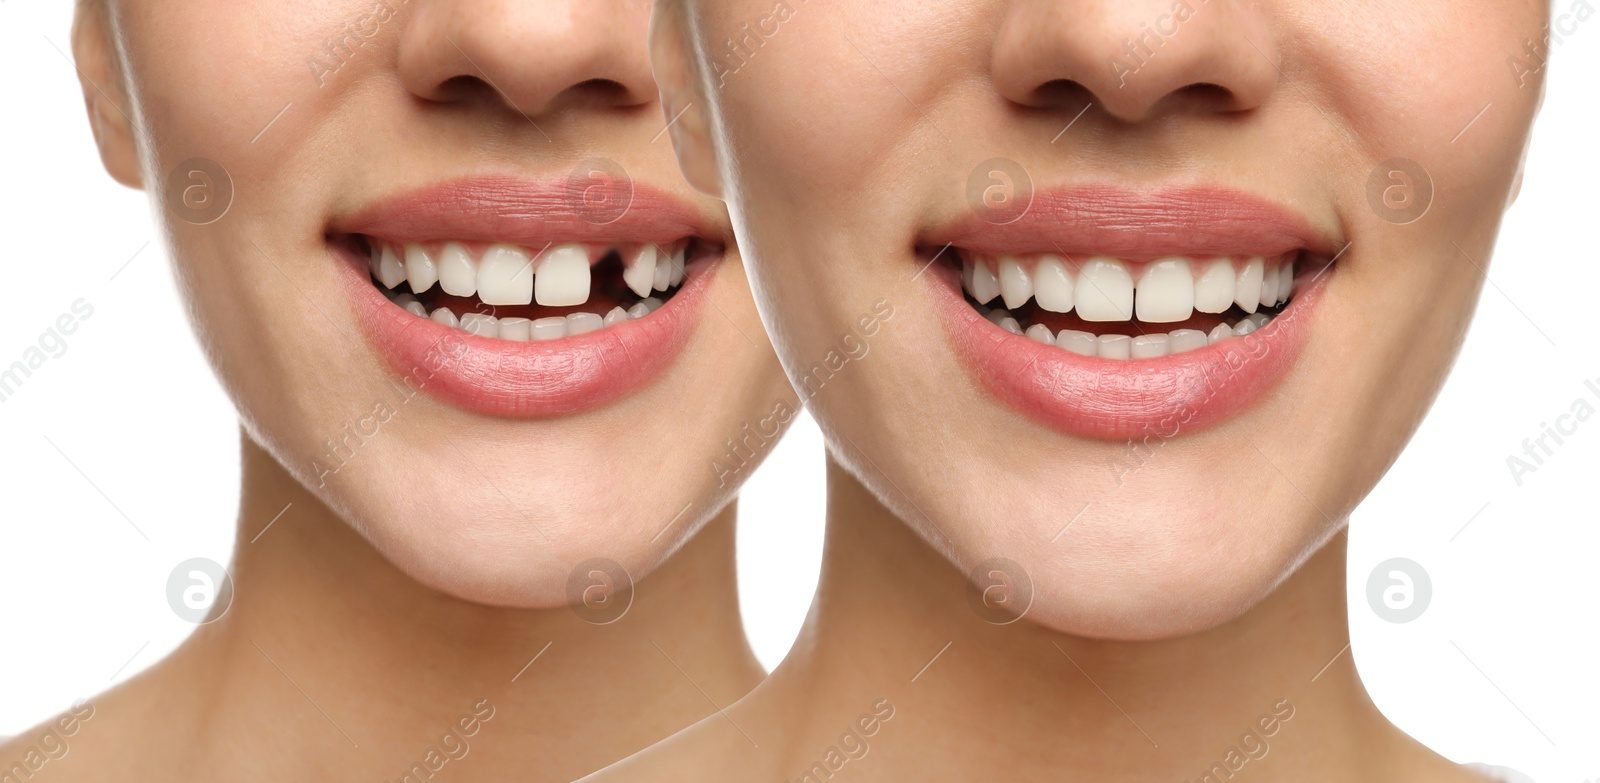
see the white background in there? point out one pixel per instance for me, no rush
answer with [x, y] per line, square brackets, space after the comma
[1502, 667]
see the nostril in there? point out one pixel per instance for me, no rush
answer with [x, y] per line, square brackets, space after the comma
[1061, 94]
[462, 88]
[603, 92]
[1207, 96]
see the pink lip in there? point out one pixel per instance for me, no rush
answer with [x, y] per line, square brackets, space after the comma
[1113, 399]
[536, 379]
[1107, 221]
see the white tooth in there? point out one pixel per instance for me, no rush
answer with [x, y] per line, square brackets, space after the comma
[616, 316]
[638, 310]
[1244, 327]
[374, 257]
[517, 330]
[679, 257]
[651, 304]
[1165, 293]
[996, 315]
[663, 277]
[640, 274]
[1148, 346]
[1247, 286]
[444, 316]
[1259, 319]
[420, 268]
[1220, 333]
[391, 272]
[1010, 324]
[1081, 343]
[1114, 346]
[1285, 280]
[1016, 285]
[1186, 340]
[563, 276]
[552, 328]
[583, 323]
[458, 272]
[1269, 287]
[480, 324]
[1052, 285]
[1104, 291]
[415, 308]
[1041, 333]
[966, 275]
[505, 276]
[1213, 291]
[984, 286]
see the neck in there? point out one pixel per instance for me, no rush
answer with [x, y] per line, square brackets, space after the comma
[349, 666]
[1275, 687]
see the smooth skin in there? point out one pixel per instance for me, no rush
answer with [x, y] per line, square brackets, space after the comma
[1175, 604]
[426, 580]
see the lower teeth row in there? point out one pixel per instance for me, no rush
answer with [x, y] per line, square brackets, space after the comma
[1121, 346]
[524, 330]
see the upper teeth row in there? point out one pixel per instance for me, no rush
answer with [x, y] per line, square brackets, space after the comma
[1102, 289]
[512, 275]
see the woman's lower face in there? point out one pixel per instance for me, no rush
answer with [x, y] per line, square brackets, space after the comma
[1143, 297]
[452, 277]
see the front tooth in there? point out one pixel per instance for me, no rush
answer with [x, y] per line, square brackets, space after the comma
[1213, 292]
[444, 316]
[1011, 325]
[1081, 343]
[651, 303]
[1186, 340]
[1114, 346]
[552, 328]
[984, 287]
[1148, 346]
[663, 277]
[1259, 319]
[642, 272]
[638, 310]
[390, 271]
[563, 277]
[616, 316]
[1247, 286]
[1041, 333]
[1104, 291]
[679, 258]
[420, 268]
[1218, 334]
[1016, 285]
[1052, 285]
[583, 323]
[1269, 287]
[505, 276]
[458, 272]
[415, 308]
[1165, 292]
[1244, 327]
[480, 324]
[517, 330]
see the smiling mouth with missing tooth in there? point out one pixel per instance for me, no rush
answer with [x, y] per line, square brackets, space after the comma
[1116, 309]
[520, 294]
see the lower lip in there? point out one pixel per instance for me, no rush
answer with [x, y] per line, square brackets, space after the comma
[1120, 399]
[527, 380]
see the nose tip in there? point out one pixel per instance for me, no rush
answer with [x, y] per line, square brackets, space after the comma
[533, 57]
[1138, 57]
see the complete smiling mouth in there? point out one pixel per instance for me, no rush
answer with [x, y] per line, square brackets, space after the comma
[1112, 313]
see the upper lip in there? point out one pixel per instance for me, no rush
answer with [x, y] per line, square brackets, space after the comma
[1139, 225]
[530, 212]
